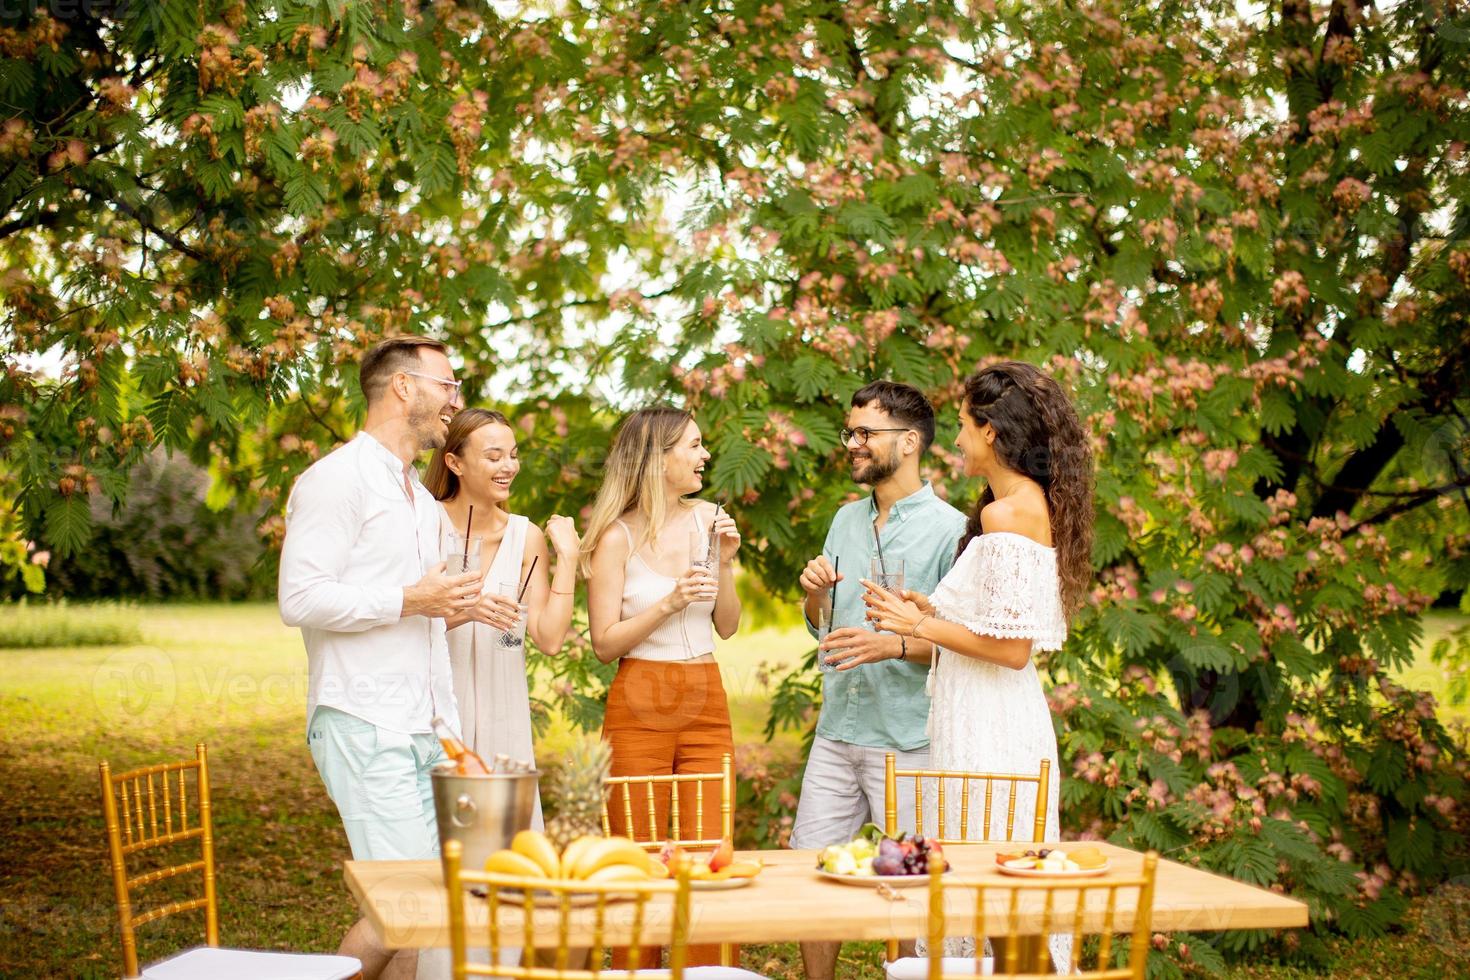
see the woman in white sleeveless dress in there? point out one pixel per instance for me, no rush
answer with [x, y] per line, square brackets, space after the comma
[1024, 566]
[487, 652]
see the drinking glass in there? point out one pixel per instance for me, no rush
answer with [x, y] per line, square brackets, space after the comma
[824, 626]
[701, 554]
[458, 558]
[511, 637]
[888, 573]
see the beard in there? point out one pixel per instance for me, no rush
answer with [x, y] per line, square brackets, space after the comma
[423, 422]
[876, 468]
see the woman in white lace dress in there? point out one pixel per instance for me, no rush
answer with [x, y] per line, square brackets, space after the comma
[1023, 567]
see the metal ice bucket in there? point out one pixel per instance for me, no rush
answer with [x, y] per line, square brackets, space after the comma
[483, 813]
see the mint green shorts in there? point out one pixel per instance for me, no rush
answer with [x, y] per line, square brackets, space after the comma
[379, 780]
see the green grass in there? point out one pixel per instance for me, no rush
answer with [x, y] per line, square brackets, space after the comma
[27, 626]
[234, 677]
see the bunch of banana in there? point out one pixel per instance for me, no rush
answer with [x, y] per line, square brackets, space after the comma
[595, 859]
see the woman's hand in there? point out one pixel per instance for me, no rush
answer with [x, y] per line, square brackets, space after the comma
[695, 585]
[501, 612]
[889, 612]
[729, 537]
[919, 599]
[563, 534]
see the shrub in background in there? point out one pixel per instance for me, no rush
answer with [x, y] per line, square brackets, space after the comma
[164, 542]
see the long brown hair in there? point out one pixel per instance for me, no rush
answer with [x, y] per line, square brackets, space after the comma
[634, 477]
[1038, 434]
[441, 481]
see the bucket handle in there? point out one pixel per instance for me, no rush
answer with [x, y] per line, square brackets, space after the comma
[463, 814]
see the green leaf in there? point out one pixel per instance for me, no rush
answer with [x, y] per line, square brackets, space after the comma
[739, 465]
[305, 193]
[1289, 840]
[866, 222]
[69, 523]
[1133, 631]
[1412, 844]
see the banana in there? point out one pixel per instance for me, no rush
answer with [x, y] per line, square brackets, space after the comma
[609, 850]
[618, 872]
[534, 845]
[511, 863]
[574, 852]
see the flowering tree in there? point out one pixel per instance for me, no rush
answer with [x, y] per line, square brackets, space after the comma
[1241, 239]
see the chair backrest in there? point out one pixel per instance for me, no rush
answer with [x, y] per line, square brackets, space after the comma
[1012, 783]
[517, 916]
[650, 793]
[1076, 907]
[149, 808]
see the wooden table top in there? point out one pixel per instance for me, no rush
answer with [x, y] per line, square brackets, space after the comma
[788, 901]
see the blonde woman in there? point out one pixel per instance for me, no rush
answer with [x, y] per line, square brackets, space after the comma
[655, 613]
[487, 655]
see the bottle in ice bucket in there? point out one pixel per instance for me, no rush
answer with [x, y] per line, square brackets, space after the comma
[467, 763]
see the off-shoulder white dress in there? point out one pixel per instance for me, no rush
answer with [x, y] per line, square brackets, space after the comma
[987, 718]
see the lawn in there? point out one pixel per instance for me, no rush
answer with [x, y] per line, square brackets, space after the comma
[234, 677]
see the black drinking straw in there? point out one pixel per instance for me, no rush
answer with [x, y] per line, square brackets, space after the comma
[527, 582]
[468, 523]
[720, 500]
[878, 541]
[836, 562]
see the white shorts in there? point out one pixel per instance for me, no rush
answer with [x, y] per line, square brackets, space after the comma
[842, 789]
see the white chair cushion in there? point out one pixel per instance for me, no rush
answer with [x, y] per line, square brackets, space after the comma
[917, 967]
[210, 963]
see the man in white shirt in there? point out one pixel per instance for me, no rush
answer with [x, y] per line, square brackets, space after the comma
[361, 575]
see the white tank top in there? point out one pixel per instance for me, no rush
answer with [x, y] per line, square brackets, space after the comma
[687, 634]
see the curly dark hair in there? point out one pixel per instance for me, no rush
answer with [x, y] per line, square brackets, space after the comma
[1038, 434]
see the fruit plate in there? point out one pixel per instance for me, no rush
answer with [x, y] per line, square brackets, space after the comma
[546, 899]
[892, 881]
[718, 884]
[1038, 873]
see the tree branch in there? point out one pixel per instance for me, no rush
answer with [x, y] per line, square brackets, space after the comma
[41, 219]
[172, 239]
[311, 410]
[1404, 506]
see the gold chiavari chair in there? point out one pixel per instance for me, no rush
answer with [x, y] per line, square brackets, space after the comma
[620, 793]
[147, 809]
[892, 774]
[1079, 908]
[514, 922]
[941, 777]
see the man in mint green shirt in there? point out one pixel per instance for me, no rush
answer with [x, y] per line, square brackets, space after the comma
[873, 698]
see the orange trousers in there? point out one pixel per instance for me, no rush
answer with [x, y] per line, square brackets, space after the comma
[665, 718]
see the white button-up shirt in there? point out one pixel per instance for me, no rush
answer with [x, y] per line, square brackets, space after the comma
[355, 537]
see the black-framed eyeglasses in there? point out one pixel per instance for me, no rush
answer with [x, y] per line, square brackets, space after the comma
[862, 432]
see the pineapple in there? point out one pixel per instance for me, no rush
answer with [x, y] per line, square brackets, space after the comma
[577, 788]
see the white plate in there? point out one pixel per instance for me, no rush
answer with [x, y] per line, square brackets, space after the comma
[892, 881]
[719, 884]
[1038, 873]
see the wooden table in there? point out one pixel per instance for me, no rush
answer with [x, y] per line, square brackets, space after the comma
[407, 903]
